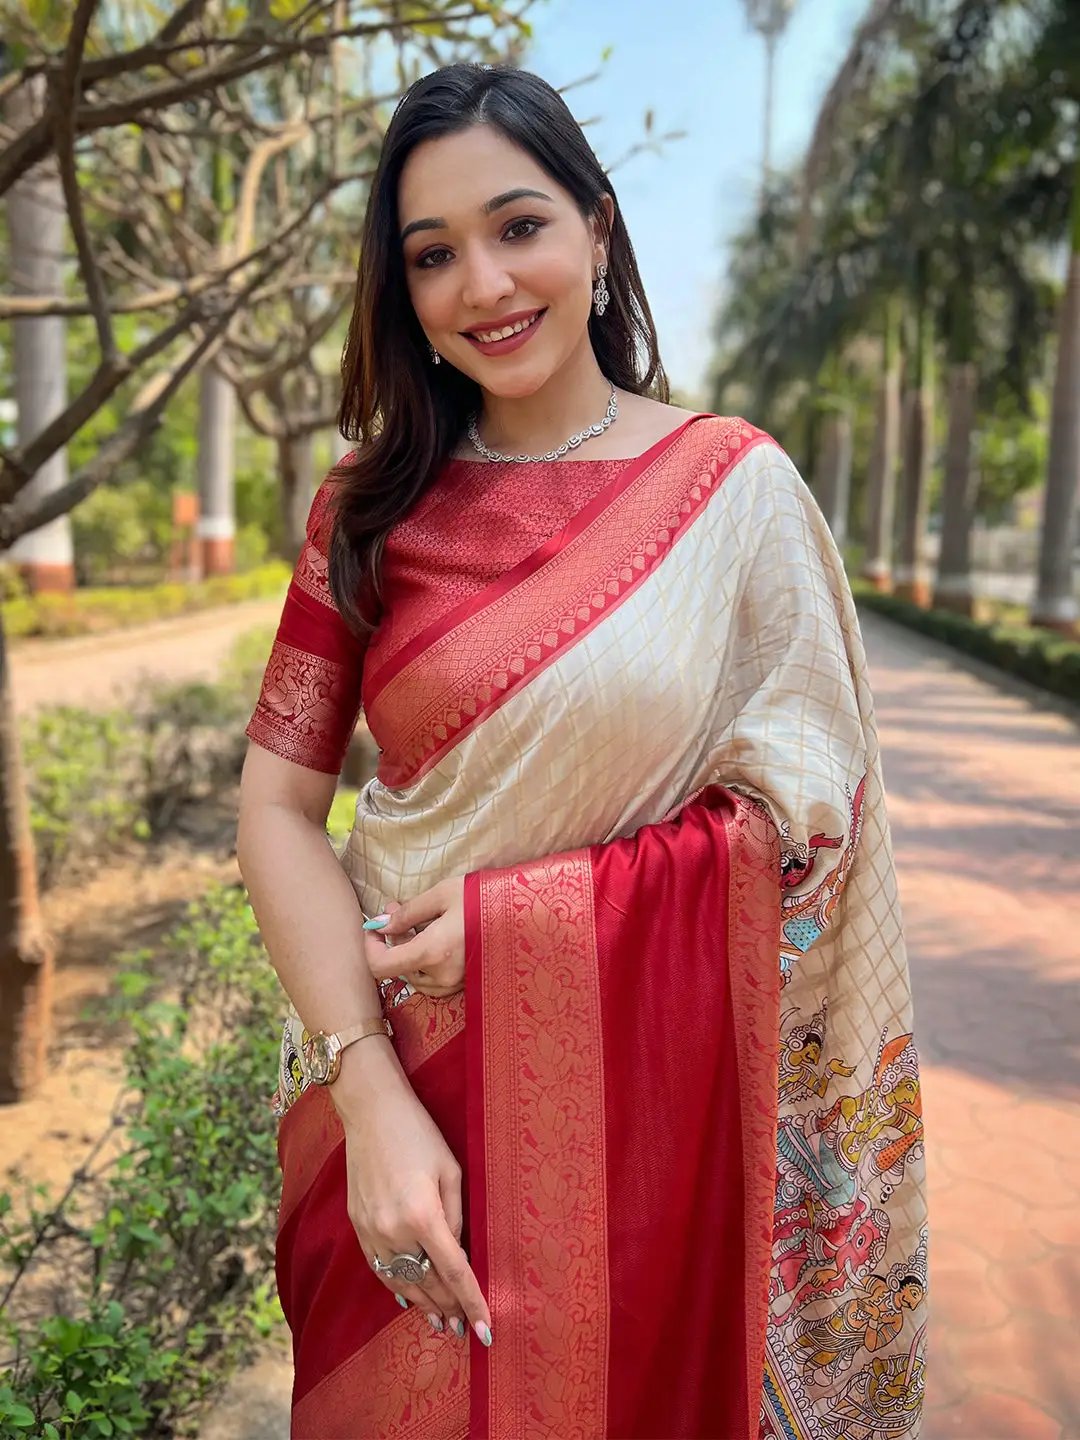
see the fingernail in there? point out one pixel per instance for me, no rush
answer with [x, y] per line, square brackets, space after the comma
[436, 1323]
[402, 1301]
[458, 1326]
[483, 1331]
[376, 922]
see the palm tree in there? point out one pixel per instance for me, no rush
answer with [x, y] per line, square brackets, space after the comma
[881, 478]
[1055, 601]
[1058, 57]
[910, 582]
[769, 18]
[930, 181]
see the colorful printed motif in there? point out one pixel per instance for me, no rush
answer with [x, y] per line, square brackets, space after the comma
[835, 1306]
[806, 916]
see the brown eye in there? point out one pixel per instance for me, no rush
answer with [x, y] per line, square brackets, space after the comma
[429, 260]
[536, 227]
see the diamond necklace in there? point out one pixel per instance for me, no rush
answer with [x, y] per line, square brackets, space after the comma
[557, 454]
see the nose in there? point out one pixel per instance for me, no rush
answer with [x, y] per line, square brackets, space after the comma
[486, 279]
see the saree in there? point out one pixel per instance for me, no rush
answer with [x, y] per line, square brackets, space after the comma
[681, 1079]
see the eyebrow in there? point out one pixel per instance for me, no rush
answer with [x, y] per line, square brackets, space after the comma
[436, 222]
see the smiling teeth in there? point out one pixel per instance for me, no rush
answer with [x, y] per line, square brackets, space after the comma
[488, 337]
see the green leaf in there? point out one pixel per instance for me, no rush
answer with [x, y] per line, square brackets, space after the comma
[17, 1416]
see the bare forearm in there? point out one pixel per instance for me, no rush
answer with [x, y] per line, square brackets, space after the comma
[309, 917]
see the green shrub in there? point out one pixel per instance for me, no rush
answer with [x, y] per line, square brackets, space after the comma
[12, 584]
[82, 801]
[91, 612]
[120, 527]
[100, 780]
[1041, 657]
[252, 547]
[167, 1250]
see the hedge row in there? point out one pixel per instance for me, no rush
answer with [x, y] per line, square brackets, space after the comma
[99, 780]
[1040, 657]
[127, 1300]
[91, 612]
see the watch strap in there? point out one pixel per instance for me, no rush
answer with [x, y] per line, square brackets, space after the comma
[360, 1030]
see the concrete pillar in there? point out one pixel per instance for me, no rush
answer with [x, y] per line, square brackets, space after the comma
[216, 528]
[36, 222]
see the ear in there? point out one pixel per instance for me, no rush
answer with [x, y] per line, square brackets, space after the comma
[600, 248]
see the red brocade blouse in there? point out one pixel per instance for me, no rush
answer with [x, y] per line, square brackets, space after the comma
[477, 521]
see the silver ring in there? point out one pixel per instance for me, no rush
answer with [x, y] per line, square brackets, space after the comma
[410, 1269]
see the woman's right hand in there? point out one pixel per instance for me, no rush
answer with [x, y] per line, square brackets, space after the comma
[404, 1187]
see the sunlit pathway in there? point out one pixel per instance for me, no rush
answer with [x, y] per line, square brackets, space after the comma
[984, 796]
[99, 670]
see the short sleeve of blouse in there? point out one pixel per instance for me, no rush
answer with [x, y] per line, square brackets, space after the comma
[310, 695]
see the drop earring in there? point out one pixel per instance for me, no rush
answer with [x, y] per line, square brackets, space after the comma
[600, 294]
[436, 358]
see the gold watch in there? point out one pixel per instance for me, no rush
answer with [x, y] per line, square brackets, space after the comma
[322, 1052]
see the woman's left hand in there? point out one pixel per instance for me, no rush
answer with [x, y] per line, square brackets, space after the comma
[433, 960]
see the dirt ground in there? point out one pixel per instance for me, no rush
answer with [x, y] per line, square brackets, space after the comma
[125, 906]
[99, 670]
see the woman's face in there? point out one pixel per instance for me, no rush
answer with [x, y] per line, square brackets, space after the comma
[486, 256]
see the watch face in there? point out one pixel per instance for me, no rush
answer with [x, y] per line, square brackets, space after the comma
[319, 1058]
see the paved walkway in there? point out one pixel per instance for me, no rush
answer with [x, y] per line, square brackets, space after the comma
[97, 670]
[984, 797]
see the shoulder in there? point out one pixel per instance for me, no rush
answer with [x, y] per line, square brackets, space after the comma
[323, 513]
[733, 441]
[760, 483]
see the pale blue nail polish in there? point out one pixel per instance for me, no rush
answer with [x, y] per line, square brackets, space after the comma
[484, 1333]
[402, 1302]
[458, 1327]
[377, 922]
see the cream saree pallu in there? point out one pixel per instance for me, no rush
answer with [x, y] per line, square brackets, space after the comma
[681, 1080]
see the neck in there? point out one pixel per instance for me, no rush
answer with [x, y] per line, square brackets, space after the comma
[575, 396]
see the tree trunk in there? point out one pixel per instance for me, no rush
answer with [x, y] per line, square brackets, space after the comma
[881, 497]
[217, 430]
[296, 468]
[911, 577]
[1055, 602]
[954, 589]
[834, 472]
[35, 214]
[26, 957]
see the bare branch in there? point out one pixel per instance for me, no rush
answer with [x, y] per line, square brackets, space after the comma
[255, 409]
[310, 337]
[61, 110]
[249, 189]
[28, 148]
[27, 512]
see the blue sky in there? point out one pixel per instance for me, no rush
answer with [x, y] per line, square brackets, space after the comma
[701, 68]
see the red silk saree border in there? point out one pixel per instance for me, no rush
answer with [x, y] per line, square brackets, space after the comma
[461, 669]
[415, 1386]
[753, 976]
[544, 1169]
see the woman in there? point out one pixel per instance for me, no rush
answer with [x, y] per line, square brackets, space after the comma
[626, 847]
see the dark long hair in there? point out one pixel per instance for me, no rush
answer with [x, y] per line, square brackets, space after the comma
[406, 415]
